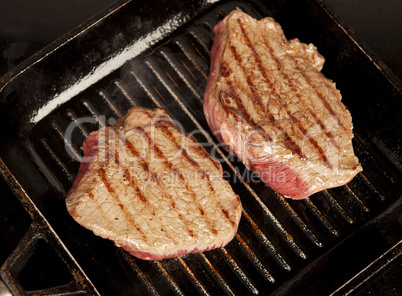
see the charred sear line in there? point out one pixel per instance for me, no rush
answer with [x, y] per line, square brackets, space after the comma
[103, 176]
[91, 195]
[154, 177]
[321, 96]
[265, 75]
[302, 72]
[261, 68]
[200, 150]
[226, 213]
[166, 125]
[135, 153]
[240, 110]
[169, 165]
[311, 140]
[322, 126]
[195, 165]
[294, 119]
[257, 100]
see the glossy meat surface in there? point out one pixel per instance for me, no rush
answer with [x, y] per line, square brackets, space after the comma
[268, 102]
[152, 189]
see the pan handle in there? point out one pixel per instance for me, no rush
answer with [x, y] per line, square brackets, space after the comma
[12, 267]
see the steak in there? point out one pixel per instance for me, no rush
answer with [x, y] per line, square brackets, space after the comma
[152, 189]
[268, 103]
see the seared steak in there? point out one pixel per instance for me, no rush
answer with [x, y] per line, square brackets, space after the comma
[152, 189]
[268, 102]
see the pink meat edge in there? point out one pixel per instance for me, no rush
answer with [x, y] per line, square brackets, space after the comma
[216, 52]
[282, 179]
[179, 253]
[90, 149]
[291, 184]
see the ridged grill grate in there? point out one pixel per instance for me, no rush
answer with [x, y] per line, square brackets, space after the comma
[276, 237]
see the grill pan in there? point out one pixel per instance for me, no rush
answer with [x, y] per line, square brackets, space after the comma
[145, 54]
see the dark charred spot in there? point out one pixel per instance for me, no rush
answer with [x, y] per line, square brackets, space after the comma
[225, 213]
[144, 166]
[181, 177]
[227, 217]
[235, 53]
[142, 197]
[225, 70]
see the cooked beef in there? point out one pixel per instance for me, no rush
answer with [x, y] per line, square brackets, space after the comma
[152, 189]
[268, 102]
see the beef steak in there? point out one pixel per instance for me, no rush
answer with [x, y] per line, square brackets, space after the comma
[268, 102]
[152, 189]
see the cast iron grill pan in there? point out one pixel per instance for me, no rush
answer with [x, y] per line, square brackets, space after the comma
[281, 244]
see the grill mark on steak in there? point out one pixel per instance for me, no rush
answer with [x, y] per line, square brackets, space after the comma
[225, 212]
[294, 104]
[172, 139]
[264, 73]
[135, 153]
[103, 209]
[169, 165]
[205, 175]
[243, 112]
[324, 128]
[299, 124]
[130, 178]
[295, 120]
[268, 115]
[103, 176]
[232, 94]
[117, 161]
[311, 140]
[255, 98]
[166, 124]
[91, 195]
[322, 98]
[154, 177]
[299, 96]
[307, 79]
[316, 91]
